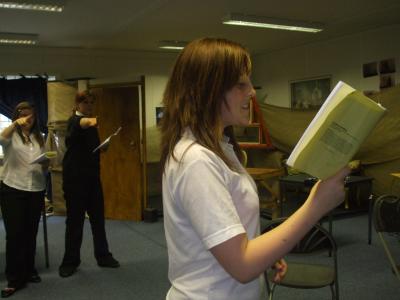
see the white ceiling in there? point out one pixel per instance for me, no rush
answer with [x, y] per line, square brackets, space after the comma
[141, 24]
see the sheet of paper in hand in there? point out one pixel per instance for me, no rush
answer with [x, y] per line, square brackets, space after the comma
[106, 142]
[44, 156]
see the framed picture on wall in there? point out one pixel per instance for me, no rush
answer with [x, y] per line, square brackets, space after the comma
[370, 69]
[159, 114]
[386, 81]
[309, 93]
[387, 66]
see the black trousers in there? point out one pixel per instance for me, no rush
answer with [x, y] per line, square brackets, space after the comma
[21, 214]
[84, 195]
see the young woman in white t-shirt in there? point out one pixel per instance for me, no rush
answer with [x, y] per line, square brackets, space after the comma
[22, 196]
[211, 206]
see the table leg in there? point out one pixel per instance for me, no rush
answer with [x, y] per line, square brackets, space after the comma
[282, 189]
[46, 245]
[370, 208]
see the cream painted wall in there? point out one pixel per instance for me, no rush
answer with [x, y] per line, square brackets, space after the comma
[342, 58]
[82, 63]
[155, 85]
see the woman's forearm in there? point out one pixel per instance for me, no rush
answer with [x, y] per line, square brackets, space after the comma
[246, 259]
[8, 131]
[87, 122]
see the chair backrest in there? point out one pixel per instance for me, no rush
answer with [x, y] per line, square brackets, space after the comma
[244, 162]
[317, 238]
[386, 214]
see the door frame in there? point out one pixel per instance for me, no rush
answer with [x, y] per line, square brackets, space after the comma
[142, 115]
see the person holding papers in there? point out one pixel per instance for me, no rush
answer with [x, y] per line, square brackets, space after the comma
[21, 196]
[82, 188]
[210, 203]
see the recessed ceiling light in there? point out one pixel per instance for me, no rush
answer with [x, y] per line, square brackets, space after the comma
[18, 38]
[40, 5]
[272, 23]
[172, 45]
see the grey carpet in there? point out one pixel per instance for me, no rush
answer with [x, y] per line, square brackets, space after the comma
[364, 271]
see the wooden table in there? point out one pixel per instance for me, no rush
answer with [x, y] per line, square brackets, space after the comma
[358, 191]
[262, 176]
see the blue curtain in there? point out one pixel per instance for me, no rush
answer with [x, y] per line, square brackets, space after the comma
[33, 90]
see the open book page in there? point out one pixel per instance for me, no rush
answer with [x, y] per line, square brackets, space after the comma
[44, 156]
[106, 142]
[336, 132]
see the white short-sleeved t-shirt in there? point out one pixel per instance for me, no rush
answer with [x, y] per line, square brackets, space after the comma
[205, 204]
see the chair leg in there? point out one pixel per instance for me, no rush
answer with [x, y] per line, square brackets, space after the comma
[389, 255]
[271, 291]
[370, 209]
[46, 245]
[334, 290]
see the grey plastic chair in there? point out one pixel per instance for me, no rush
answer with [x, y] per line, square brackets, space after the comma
[301, 273]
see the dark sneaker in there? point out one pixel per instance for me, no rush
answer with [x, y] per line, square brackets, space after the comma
[66, 270]
[7, 292]
[35, 278]
[108, 262]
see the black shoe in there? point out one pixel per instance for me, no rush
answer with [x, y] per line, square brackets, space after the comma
[7, 292]
[108, 262]
[35, 278]
[10, 290]
[66, 270]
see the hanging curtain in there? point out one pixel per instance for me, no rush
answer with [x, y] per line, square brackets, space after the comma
[33, 90]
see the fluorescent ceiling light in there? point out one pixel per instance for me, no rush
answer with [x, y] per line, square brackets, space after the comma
[172, 45]
[18, 38]
[273, 23]
[41, 5]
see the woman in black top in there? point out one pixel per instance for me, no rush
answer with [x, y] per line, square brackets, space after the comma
[82, 188]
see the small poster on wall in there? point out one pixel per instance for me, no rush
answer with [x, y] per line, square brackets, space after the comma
[387, 66]
[386, 69]
[370, 69]
[386, 81]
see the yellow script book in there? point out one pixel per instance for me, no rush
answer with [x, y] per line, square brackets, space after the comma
[336, 132]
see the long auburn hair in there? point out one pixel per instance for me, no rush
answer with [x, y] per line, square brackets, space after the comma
[35, 127]
[204, 72]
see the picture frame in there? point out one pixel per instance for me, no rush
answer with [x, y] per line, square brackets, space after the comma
[159, 114]
[309, 93]
[386, 81]
[370, 69]
[387, 66]
[250, 134]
